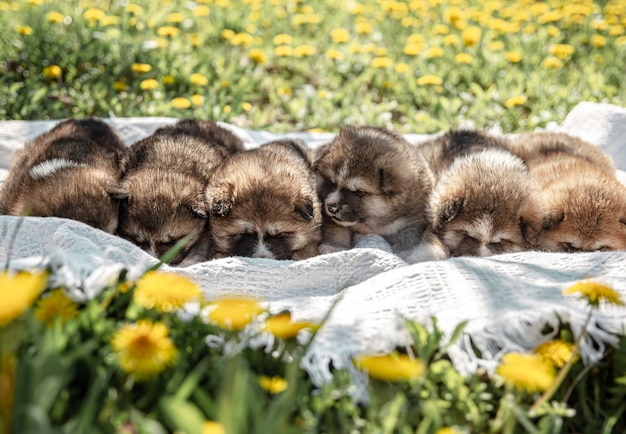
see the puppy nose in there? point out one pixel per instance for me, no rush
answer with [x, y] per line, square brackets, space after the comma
[332, 208]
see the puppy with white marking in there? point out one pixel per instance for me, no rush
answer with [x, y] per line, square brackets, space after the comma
[371, 181]
[483, 201]
[72, 171]
[164, 181]
[585, 203]
[264, 205]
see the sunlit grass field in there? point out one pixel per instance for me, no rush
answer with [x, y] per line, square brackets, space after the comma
[416, 66]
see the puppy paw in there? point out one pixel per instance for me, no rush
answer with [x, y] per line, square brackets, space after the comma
[330, 248]
[425, 252]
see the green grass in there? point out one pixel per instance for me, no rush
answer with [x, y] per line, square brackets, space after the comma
[248, 84]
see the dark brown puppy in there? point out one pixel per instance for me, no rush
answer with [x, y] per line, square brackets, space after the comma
[72, 171]
[585, 203]
[371, 181]
[164, 182]
[263, 203]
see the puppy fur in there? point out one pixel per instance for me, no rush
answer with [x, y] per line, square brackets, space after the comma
[164, 182]
[263, 203]
[483, 200]
[371, 181]
[585, 203]
[72, 171]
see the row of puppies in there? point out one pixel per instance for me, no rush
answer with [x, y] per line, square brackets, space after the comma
[463, 193]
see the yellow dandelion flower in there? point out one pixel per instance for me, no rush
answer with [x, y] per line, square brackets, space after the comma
[598, 41]
[412, 49]
[111, 20]
[149, 84]
[119, 86]
[24, 30]
[463, 58]
[175, 17]
[554, 31]
[226, 109]
[448, 430]
[452, 14]
[620, 41]
[441, 29]
[416, 39]
[550, 17]
[430, 80]
[562, 51]
[168, 31]
[616, 30]
[234, 313]
[450, 40]
[513, 56]
[201, 11]
[594, 293]
[391, 367]
[144, 349]
[284, 91]
[52, 71]
[471, 36]
[228, 34]
[339, 35]
[165, 291]
[168, 80]
[56, 304]
[197, 99]
[552, 62]
[282, 39]
[381, 51]
[134, 9]
[93, 14]
[526, 371]
[599, 24]
[556, 352]
[246, 106]
[335, 54]
[257, 56]
[496, 46]
[224, 83]
[363, 28]
[381, 62]
[19, 291]
[242, 39]
[434, 52]
[141, 68]
[195, 39]
[516, 101]
[55, 17]
[211, 427]
[281, 325]
[273, 385]
[402, 68]
[198, 79]
[304, 51]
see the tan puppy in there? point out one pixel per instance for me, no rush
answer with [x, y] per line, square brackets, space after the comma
[72, 171]
[585, 203]
[264, 205]
[164, 181]
[371, 181]
[483, 201]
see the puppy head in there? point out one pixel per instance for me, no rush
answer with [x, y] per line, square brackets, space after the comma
[370, 180]
[159, 209]
[484, 205]
[85, 194]
[584, 213]
[264, 207]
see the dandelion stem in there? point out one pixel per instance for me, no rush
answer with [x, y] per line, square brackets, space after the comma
[545, 396]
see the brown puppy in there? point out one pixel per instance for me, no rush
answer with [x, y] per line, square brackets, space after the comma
[371, 181]
[263, 203]
[482, 203]
[585, 203]
[164, 181]
[72, 171]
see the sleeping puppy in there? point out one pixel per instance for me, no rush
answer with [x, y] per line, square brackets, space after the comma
[72, 171]
[483, 200]
[371, 181]
[585, 203]
[164, 182]
[263, 203]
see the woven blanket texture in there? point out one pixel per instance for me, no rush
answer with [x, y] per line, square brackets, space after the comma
[507, 299]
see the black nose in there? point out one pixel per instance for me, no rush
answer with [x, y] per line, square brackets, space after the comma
[332, 208]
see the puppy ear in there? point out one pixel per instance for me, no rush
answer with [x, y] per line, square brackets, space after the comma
[119, 190]
[552, 219]
[386, 181]
[450, 209]
[531, 227]
[221, 199]
[199, 206]
[304, 207]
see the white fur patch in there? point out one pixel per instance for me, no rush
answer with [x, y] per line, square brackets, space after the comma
[355, 183]
[482, 230]
[49, 167]
[333, 197]
[262, 251]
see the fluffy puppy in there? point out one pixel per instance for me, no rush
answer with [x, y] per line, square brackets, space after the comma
[585, 204]
[482, 203]
[164, 181]
[72, 171]
[263, 203]
[371, 181]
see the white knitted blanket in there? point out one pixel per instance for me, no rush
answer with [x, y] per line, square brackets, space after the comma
[507, 299]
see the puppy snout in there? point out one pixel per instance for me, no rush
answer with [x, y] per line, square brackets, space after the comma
[332, 208]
